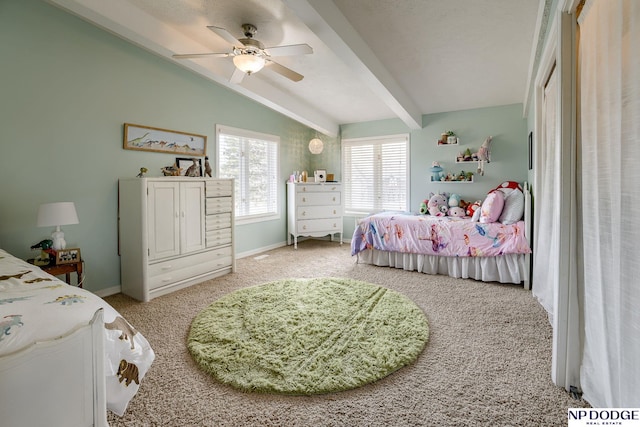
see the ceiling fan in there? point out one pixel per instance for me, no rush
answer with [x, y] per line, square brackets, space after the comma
[250, 55]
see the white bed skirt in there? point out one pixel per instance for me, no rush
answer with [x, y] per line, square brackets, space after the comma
[503, 269]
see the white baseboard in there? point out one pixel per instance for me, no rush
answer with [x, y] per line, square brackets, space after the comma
[108, 291]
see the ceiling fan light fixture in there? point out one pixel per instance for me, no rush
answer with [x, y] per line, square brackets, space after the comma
[249, 63]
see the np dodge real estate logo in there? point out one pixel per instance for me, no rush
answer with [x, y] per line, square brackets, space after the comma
[626, 417]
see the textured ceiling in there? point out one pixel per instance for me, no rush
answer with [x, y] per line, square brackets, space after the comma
[372, 59]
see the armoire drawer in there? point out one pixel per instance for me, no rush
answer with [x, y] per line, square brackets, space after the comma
[172, 271]
[216, 205]
[216, 221]
[216, 188]
[218, 237]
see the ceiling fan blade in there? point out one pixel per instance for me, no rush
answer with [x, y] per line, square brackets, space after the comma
[201, 55]
[284, 71]
[237, 76]
[225, 35]
[293, 49]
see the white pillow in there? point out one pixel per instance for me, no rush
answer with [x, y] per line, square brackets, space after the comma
[513, 206]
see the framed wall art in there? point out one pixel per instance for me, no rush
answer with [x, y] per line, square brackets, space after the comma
[146, 138]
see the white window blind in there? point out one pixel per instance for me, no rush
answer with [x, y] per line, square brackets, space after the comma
[252, 159]
[376, 173]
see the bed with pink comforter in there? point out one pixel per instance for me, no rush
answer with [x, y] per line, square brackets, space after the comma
[457, 247]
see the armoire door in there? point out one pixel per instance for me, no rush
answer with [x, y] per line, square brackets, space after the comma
[163, 217]
[192, 216]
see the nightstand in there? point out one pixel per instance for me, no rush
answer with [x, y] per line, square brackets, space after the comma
[66, 269]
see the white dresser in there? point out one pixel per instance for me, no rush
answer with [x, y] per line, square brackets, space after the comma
[173, 233]
[314, 210]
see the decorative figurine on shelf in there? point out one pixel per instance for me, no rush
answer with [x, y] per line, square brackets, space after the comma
[207, 167]
[171, 170]
[143, 171]
[193, 170]
[436, 170]
[484, 154]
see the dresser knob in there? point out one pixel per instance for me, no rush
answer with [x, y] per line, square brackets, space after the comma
[334, 199]
[304, 227]
[334, 211]
[304, 199]
[304, 213]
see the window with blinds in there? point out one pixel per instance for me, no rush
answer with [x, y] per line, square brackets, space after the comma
[252, 160]
[375, 174]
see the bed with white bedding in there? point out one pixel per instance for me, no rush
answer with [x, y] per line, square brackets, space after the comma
[457, 247]
[66, 355]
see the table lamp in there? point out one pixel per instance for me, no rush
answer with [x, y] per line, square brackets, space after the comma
[57, 214]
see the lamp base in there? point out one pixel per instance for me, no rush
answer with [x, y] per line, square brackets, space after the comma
[58, 240]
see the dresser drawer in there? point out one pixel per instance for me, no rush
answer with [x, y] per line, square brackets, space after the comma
[217, 188]
[218, 237]
[317, 188]
[315, 225]
[315, 212]
[318, 199]
[168, 272]
[216, 221]
[216, 205]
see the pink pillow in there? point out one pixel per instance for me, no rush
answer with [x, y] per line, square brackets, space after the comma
[492, 207]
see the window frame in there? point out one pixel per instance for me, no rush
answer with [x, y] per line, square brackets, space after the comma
[376, 141]
[239, 183]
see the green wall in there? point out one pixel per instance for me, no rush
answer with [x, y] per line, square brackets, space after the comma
[67, 87]
[509, 149]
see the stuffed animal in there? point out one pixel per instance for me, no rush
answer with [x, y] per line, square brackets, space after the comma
[456, 211]
[473, 207]
[437, 204]
[454, 200]
[484, 154]
[423, 207]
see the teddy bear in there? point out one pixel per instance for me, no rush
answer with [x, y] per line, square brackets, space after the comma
[437, 205]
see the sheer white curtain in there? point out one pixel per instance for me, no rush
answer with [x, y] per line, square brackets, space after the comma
[546, 213]
[609, 62]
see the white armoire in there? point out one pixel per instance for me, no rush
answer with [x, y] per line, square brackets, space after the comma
[173, 232]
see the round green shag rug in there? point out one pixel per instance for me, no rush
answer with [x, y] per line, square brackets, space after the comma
[307, 336]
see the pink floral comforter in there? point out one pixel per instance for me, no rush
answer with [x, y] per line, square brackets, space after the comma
[443, 236]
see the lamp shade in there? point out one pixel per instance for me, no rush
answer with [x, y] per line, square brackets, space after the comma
[56, 214]
[249, 63]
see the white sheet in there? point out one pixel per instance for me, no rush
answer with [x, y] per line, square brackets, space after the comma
[35, 306]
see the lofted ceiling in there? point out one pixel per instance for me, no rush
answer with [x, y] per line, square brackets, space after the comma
[371, 60]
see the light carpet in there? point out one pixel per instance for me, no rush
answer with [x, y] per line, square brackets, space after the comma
[487, 363]
[307, 336]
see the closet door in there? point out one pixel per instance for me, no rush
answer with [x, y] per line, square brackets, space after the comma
[546, 215]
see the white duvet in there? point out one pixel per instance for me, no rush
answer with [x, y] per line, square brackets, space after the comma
[35, 306]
